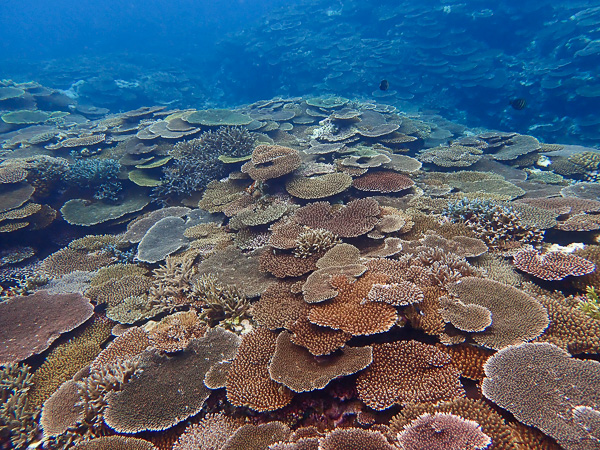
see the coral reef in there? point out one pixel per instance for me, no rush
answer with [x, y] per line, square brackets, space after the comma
[440, 312]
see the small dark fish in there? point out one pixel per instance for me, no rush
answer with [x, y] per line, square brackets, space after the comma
[518, 103]
[384, 85]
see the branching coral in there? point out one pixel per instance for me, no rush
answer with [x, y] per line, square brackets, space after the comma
[220, 304]
[497, 224]
[17, 418]
[194, 165]
[590, 304]
[229, 141]
[98, 175]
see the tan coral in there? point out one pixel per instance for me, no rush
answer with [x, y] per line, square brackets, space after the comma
[66, 359]
[516, 316]
[383, 182]
[314, 241]
[248, 381]
[278, 306]
[443, 431]
[468, 359]
[356, 218]
[115, 290]
[349, 313]
[294, 367]
[408, 371]
[126, 346]
[316, 339]
[397, 294]
[320, 186]
[284, 234]
[271, 161]
[211, 433]
[284, 265]
[65, 261]
[570, 328]
[552, 265]
[174, 332]
[354, 438]
[478, 411]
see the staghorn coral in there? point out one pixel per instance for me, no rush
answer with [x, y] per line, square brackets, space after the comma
[294, 367]
[497, 224]
[248, 380]
[148, 402]
[443, 431]
[17, 418]
[518, 376]
[172, 282]
[552, 265]
[271, 161]
[192, 168]
[408, 371]
[590, 303]
[29, 324]
[220, 304]
[313, 241]
[96, 175]
[228, 141]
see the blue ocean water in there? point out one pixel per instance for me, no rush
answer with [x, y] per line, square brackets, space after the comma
[465, 59]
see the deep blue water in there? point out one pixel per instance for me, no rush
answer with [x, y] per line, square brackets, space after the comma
[465, 60]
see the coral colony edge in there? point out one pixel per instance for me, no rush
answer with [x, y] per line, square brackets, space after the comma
[297, 273]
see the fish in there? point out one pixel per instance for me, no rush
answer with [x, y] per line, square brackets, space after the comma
[518, 103]
[384, 85]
